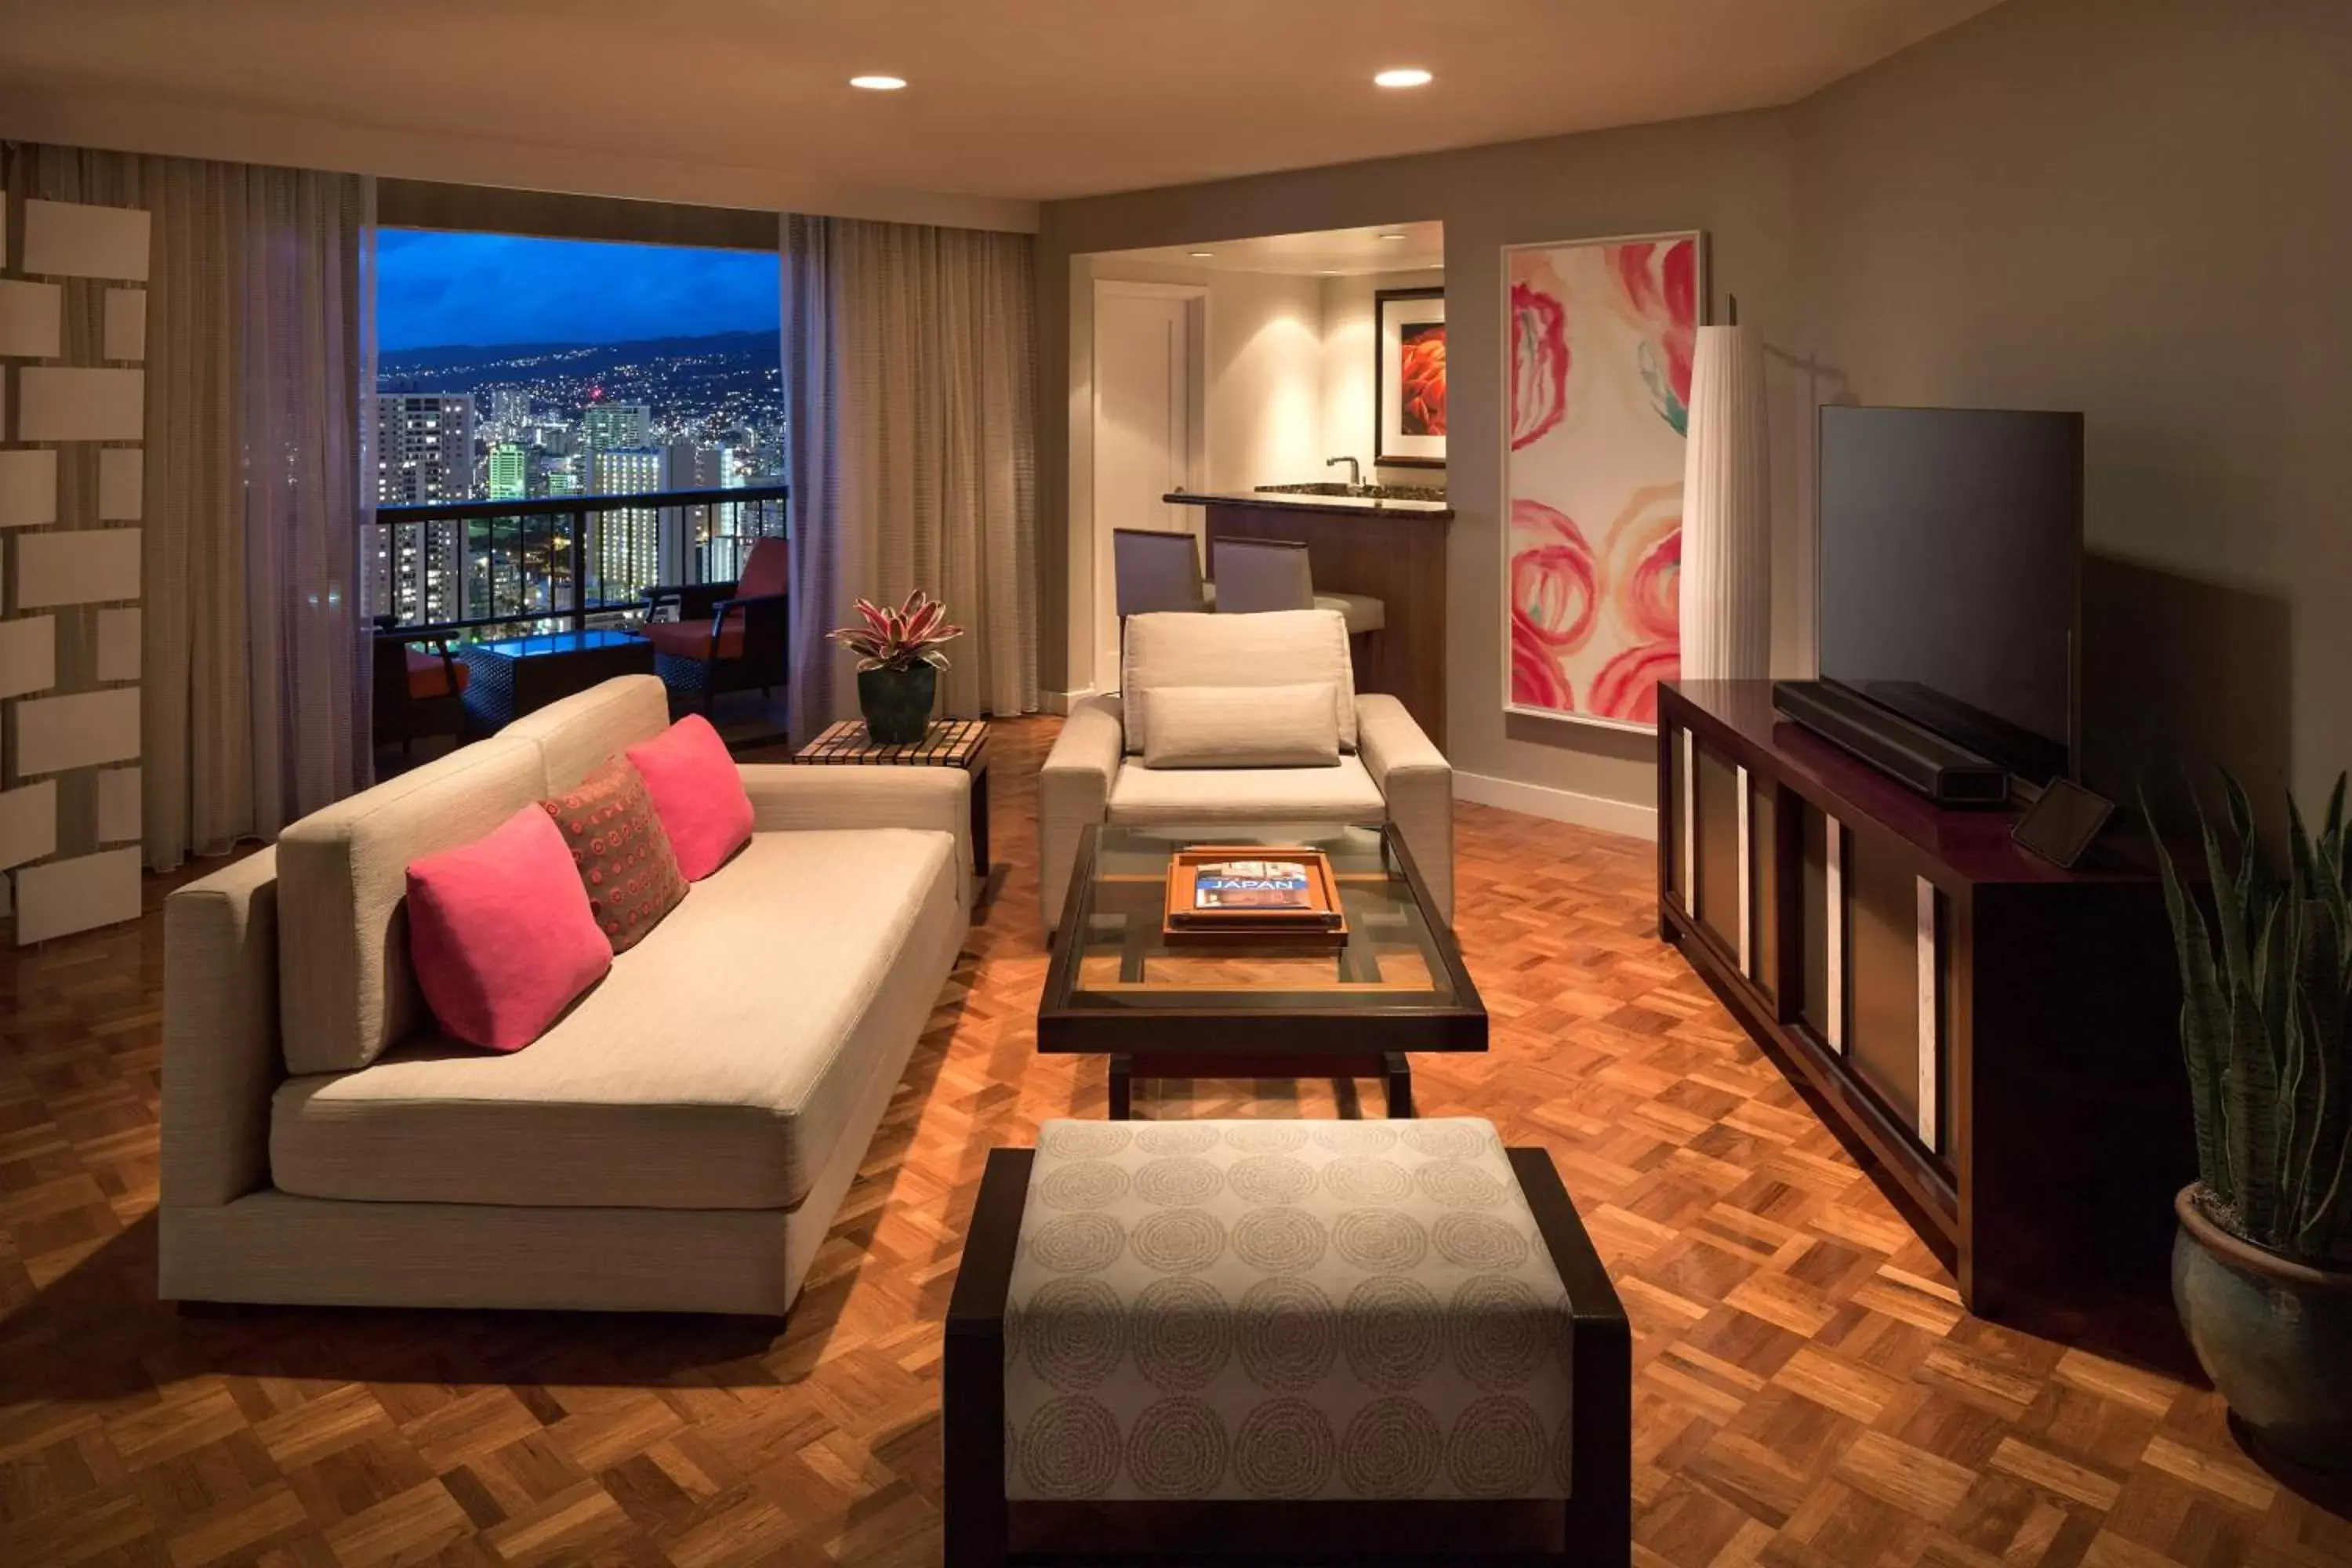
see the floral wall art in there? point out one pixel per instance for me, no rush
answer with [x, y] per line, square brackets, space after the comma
[1600, 336]
[1409, 379]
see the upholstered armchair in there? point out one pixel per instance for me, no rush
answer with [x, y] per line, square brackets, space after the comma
[1247, 720]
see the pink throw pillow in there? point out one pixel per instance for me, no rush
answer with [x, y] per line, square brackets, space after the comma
[697, 793]
[501, 933]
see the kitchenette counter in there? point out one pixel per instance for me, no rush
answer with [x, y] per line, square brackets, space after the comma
[1312, 501]
[1388, 546]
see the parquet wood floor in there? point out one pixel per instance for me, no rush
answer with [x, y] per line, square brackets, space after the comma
[1808, 1391]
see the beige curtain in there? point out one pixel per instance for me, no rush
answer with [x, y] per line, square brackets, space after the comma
[909, 389]
[254, 693]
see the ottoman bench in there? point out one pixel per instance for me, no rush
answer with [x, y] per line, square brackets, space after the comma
[1315, 1341]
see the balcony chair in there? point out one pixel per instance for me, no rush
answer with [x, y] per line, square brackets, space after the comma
[1218, 721]
[420, 687]
[727, 636]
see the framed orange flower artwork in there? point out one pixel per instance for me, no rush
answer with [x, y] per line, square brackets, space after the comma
[1598, 338]
[1409, 379]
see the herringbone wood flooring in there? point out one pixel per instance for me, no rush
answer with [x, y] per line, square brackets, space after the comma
[1808, 1391]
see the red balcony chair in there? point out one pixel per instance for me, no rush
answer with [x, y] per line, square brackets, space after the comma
[420, 688]
[727, 636]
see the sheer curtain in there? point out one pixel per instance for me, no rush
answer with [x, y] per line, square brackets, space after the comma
[253, 698]
[909, 392]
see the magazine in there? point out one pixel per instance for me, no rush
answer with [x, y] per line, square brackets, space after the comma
[1252, 885]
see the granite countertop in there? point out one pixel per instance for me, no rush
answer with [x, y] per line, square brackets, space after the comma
[1292, 501]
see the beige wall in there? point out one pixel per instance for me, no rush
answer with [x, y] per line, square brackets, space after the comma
[2136, 208]
[1730, 175]
[2141, 209]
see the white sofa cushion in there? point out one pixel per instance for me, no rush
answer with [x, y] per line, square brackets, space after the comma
[1162, 796]
[575, 735]
[1245, 727]
[1280, 647]
[345, 988]
[713, 1068]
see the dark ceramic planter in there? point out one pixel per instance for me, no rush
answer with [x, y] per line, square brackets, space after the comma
[2275, 1336]
[897, 703]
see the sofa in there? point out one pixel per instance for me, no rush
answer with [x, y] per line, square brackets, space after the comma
[678, 1141]
[1383, 769]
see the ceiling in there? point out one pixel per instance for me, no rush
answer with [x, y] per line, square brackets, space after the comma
[1344, 252]
[1027, 99]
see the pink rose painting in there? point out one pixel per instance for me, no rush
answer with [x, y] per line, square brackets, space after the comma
[1601, 336]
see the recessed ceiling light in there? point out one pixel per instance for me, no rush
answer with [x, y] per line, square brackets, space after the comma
[878, 83]
[1201, 255]
[1388, 237]
[1403, 76]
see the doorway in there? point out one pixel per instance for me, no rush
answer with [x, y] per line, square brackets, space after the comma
[1150, 434]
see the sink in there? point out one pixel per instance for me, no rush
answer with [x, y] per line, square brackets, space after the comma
[1366, 492]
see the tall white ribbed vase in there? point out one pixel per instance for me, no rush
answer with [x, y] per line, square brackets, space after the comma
[1727, 565]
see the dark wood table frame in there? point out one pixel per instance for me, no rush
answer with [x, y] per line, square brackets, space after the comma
[1273, 1035]
[1593, 1526]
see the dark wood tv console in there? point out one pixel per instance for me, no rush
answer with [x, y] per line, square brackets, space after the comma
[1992, 1035]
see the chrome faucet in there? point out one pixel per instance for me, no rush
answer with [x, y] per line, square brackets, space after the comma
[1355, 472]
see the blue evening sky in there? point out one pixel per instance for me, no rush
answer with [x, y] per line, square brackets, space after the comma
[433, 289]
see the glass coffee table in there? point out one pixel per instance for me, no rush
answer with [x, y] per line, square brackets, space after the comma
[1118, 986]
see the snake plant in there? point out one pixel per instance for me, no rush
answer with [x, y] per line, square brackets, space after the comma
[2266, 995]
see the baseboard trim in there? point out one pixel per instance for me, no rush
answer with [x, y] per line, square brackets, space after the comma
[1063, 701]
[1558, 804]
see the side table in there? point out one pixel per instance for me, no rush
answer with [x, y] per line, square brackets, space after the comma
[948, 743]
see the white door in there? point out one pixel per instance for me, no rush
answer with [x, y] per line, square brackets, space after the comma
[1144, 439]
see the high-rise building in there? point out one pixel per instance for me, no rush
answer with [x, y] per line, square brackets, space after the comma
[628, 554]
[509, 408]
[608, 426]
[509, 471]
[424, 452]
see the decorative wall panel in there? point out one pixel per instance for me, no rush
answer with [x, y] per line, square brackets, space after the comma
[121, 484]
[119, 805]
[30, 326]
[28, 488]
[65, 239]
[28, 823]
[73, 408]
[59, 403]
[29, 654]
[79, 566]
[56, 735]
[117, 645]
[126, 324]
[61, 897]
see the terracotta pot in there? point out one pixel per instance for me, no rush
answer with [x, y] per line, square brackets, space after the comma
[2275, 1336]
[897, 703]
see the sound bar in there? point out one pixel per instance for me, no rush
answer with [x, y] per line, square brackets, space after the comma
[1948, 775]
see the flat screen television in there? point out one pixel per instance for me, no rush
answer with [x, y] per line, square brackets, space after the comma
[1951, 548]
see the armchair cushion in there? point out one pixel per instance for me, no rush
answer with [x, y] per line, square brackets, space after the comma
[1245, 727]
[1165, 797]
[1280, 647]
[691, 639]
[430, 675]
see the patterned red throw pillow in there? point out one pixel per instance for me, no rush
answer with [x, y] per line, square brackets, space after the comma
[624, 857]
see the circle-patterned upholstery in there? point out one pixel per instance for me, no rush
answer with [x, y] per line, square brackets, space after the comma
[1283, 1310]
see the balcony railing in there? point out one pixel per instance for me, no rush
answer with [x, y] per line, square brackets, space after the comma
[500, 568]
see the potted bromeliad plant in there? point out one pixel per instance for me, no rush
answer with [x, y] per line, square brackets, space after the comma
[2261, 1268]
[899, 665]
